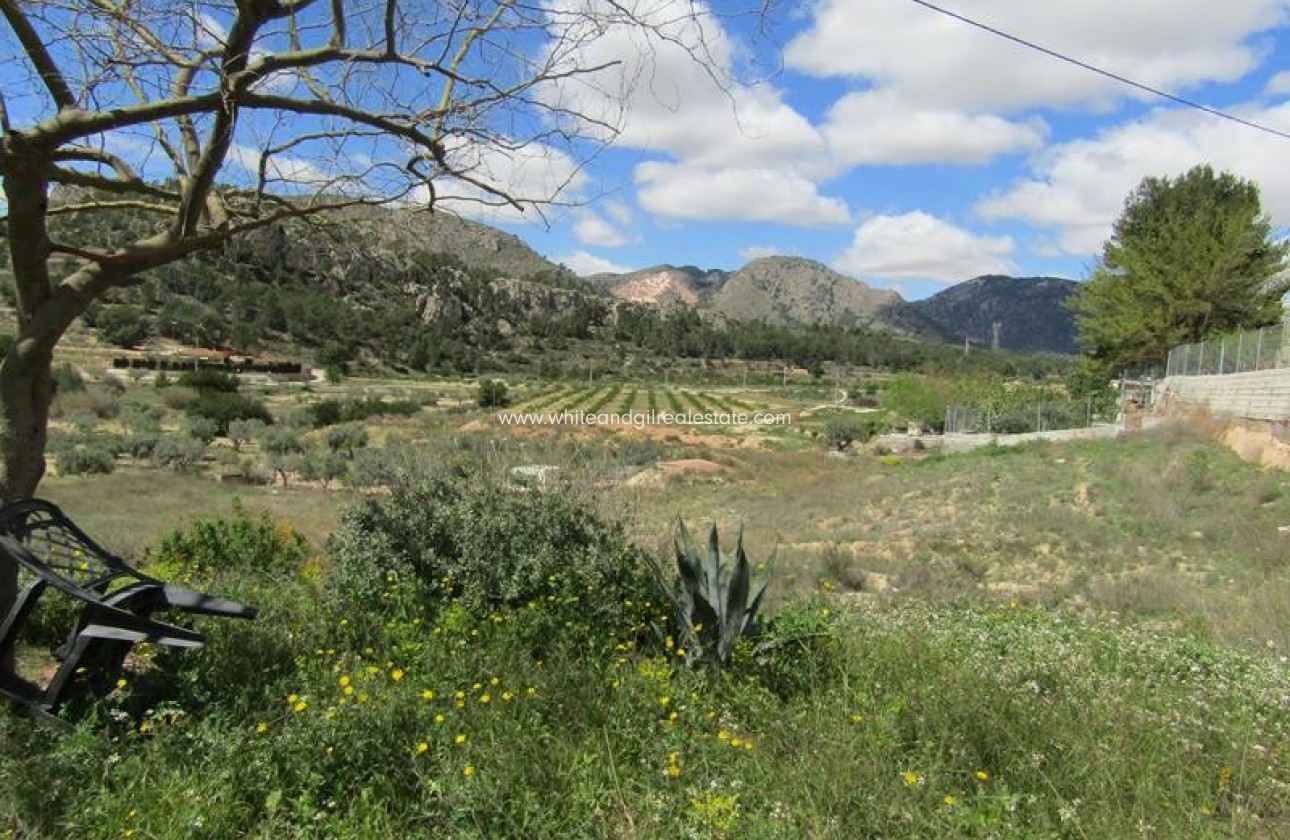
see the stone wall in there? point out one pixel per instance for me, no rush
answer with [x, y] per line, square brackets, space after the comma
[1258, 395]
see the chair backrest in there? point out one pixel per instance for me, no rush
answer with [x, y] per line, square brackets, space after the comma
[66, 552]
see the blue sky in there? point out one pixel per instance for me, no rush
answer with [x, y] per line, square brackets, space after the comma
[911, 151]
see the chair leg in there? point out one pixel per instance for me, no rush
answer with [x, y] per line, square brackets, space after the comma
[12, 625]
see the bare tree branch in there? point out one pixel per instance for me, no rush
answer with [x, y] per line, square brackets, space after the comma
[38, 54]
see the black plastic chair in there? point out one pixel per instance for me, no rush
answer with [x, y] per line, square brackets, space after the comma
[117, 602]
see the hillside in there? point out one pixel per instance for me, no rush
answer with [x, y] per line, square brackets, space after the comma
[1030, 313]
[664, 285]
[382, 289]
[784, 291]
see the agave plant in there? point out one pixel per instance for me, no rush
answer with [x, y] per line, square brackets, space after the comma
[712, 597]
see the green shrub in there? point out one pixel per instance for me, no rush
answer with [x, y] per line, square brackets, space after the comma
[798, 651]
[201, 428]
[840, 432]
[223, 408]
[346, 437]
[67, 380]
[124, 326]
[245, 431]
[244, 541]
[140, 445]
[178, 452]
[210, 379]
[176, 398]
[329, 412]
[492, 394]
[85, 460]
[489, 548]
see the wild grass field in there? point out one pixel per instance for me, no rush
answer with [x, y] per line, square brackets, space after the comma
[1059, 641]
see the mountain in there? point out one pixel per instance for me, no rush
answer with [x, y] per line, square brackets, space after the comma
[784, 291]
[1030, 313]
[663, 285]
[793, 290]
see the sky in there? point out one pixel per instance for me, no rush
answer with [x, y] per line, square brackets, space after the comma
[891, 141]
[912, 151]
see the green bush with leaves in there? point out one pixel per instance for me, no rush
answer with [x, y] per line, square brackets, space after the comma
[492, 394]
[223, 408]
[712, 597]
[178, 452]
[841, 431]
[244, 541]
[67, 380]
[85, 459]
[210, 379]
[472, 540]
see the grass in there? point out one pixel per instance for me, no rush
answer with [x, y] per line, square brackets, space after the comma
[1075, 641]
[945, 722]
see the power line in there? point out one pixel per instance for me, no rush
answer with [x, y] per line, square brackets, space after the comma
[1098, 70]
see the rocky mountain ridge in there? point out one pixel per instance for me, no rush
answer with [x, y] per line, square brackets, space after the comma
[1029, 312]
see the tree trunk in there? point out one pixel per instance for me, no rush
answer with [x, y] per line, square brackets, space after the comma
[24, 413]
[26, 386]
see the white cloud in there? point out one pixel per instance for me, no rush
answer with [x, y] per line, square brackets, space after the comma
[533, 175]
[674, 90]
[591, 229]
[1278, 85]
[935, 60]
[881, 126]
[281, 169]
[754, 252]
[620, 213]
[919, 246]
[1078, 189]
[679, 191]
[584, 264]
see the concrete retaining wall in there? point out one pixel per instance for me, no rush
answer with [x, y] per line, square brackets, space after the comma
[1258, 395]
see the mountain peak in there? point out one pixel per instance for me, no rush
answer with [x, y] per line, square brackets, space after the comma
[1030, 312]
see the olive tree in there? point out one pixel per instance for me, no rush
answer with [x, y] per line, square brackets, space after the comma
[215, 118]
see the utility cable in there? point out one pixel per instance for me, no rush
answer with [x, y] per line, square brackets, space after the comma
[1124, 80]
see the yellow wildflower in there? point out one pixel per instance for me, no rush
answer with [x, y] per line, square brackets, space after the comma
[261, 727]
[427, 695]
[469, 771]
[397, 675]
[422, 748]
[912, 779]
[459, 740]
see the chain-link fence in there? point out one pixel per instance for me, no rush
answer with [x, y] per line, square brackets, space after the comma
[1045, 416]
[1261, 349]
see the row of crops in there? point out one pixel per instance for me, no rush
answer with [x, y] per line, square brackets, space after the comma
[621, 399]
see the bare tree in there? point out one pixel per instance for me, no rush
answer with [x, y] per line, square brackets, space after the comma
[219, 117]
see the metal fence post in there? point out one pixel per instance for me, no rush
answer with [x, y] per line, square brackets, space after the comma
[1258, 353]
[1240, 347]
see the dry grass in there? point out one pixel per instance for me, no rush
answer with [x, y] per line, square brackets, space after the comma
[1165, 527]
[131, 509]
